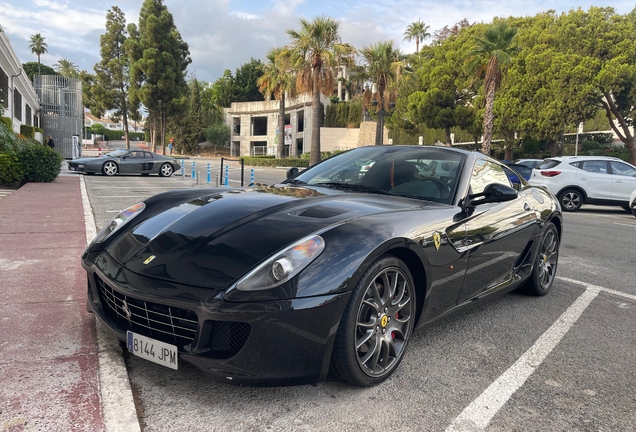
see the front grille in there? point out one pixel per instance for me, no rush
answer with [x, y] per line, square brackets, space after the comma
[165, 323]
[227, 338]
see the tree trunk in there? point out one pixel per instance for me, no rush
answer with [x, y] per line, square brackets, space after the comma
[280, 148]
[488, 117]
[508, 155]
[124, 117]
[417, 45]
[631, 147]
[314, 156]
[155, 122]
[624, 134]
[163, 131]
[449, 141]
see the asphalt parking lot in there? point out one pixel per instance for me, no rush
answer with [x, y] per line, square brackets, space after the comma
[560, 362]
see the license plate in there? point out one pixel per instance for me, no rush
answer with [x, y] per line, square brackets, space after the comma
[151, 349]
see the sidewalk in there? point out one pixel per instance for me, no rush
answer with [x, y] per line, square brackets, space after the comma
[48, 344]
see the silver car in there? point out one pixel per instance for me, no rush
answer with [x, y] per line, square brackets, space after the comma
[126, 162]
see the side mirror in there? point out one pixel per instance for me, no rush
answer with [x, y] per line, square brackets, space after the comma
[292, 172]
[494, 193]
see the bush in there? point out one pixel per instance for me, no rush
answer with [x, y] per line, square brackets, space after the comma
[7, 122]
[7, 137]
[10, 168]
[27, 131]
[590, 145]
[39, 163]
[595, 152]
[271, 162]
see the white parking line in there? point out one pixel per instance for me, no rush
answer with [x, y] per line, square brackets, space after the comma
[624, 224]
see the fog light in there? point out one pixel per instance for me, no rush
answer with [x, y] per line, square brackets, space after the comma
[281, 268]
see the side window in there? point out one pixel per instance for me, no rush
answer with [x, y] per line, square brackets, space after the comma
[595, 166]
[485, 173]
[513, 177]
[147, 155]
[619, 168]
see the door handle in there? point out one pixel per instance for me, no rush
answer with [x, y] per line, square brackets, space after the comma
[583, 178]
[619, 181]
[526, 207]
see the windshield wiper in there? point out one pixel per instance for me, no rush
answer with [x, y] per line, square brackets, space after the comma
[353, 186]
[295, 182]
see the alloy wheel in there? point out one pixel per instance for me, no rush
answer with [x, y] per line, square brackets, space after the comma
[383, 322]
[166, 170]
[548, 258]
[571, 201]
[110, 168]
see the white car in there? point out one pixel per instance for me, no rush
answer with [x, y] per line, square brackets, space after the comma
[632, 202]
[578, 180]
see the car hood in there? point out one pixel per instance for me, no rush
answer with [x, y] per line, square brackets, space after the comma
[216, 238]
[89, 159]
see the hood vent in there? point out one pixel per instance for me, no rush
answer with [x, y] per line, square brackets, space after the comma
[320, 212]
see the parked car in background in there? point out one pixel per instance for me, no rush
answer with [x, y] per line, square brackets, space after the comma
[632, 200]
[126, 162]
[523, 170]
[327, 270]
[532, 163]
[578, 180]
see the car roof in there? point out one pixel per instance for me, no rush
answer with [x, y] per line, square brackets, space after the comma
[567, 158]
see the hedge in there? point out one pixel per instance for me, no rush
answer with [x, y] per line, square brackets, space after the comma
[27, 131]
[271, 162]
[10, 168]
[39, 163]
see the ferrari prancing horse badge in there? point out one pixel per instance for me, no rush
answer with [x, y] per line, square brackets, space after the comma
[437, 240]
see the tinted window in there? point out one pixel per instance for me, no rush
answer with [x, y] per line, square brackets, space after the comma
[595, 166]
[514, 177]
[485, 173]
[619, 168]
[549, 163]
[147, 155]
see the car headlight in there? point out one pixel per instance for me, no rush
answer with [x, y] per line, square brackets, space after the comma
[118, 221]
[283, 266]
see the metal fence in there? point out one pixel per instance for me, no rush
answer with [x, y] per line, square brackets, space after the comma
[62, 112]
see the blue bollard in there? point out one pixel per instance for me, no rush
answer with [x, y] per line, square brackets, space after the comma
[209, 181]
[227, 176]
[194, 169]
[182, 167]
[252, 176]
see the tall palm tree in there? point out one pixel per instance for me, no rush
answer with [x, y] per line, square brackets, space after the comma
[489, 58]
[38, 47]
[418, 31]
[67, 68]
[277, 80]
[312, 55]
[384, 67]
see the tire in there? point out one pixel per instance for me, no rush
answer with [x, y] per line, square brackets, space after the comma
[110, 168]
[166, 170]
[376, 325]
[571, 200]
[545, 264]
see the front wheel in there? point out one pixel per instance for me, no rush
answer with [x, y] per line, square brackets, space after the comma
[109, 168]
[376, 325]
[166, 170]
[571, 200]
[545, 264]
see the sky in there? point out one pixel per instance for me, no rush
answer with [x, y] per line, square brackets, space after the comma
[224, 34]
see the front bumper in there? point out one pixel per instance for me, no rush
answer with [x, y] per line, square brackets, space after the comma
[283, 342]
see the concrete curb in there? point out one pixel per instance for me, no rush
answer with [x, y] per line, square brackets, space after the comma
[118, 404]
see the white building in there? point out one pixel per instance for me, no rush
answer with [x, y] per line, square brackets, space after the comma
[20, 102]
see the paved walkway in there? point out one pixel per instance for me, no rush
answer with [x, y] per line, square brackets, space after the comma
[48, 350]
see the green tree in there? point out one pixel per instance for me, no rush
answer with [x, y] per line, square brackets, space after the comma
[276, 81]
[222, 90]
[98, 129]
[384, 66]
[33, 68]
[67, 68]
[245, 82]
[218, 134]
[312, 49]
[489, 58]
[38, 47]
[417, 30]
[112, 86]
[159, 59]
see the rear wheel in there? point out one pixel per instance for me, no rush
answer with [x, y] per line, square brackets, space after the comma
[376, 325]
[109, 168]
[166, 170]
[545, 265]
[571, 200]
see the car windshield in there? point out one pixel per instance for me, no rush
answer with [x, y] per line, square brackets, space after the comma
[428, 173]
[117, 153]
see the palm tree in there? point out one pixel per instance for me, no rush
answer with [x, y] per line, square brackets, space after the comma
[489, 58]
[38, 47]
[67, 68]
[418, 31]
[312, 56]
[384, 67]
[278, 79]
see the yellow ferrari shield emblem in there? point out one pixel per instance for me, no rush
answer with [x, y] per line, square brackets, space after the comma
[385, 320]
[150, 258]
[437, 240]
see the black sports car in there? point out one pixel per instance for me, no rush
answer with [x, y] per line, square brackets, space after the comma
[126, 162]
[331, 270]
